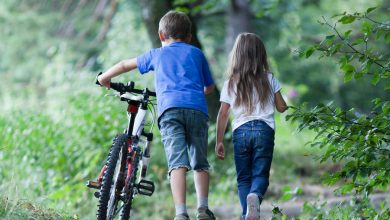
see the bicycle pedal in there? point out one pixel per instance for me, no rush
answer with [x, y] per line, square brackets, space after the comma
[145, 187]
[93, 184]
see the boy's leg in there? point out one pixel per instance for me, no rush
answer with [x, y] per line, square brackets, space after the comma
[201, 179]
[178, 189]
[197, 132]
[174, 140]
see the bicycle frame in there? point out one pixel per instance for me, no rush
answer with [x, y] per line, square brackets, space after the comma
[118, 181]
[136, 111]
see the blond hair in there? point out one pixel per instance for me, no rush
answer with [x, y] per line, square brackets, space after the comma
[247, 72]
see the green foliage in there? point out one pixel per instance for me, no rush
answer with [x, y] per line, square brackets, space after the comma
[25, 210]
[358, 58]
[58, 152]
[359, 140]
[356, 208]
[289, 193]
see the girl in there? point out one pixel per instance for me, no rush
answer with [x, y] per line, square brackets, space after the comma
[251, 92]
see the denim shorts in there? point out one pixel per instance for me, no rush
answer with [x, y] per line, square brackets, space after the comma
[184, 135]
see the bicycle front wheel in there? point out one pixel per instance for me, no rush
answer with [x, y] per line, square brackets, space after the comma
[113, 179]
[125, 213]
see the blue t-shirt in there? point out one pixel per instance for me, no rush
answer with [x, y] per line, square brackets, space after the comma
[182, 72]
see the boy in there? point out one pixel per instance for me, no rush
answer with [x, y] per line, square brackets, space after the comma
[182, 79]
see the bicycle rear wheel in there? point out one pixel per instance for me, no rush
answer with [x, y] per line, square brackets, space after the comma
[113, 179]
[125, 213]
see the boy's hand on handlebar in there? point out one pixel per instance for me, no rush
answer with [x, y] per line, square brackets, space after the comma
[104, 81]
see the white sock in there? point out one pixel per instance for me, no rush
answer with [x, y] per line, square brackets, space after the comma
[181, 209]
[203, 202]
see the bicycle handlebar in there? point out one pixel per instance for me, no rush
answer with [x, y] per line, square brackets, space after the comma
[122, 88]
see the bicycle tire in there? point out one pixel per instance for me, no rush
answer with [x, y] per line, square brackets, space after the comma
[112, 182]
[125, 213]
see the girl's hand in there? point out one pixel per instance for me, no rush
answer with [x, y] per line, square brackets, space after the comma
[220, 151]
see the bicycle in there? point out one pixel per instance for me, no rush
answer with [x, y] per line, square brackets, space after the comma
[118, 181]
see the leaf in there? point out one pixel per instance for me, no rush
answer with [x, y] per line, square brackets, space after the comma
[347, 19]
[309, 52]
[370, 9]
[346, 188]
[386, 107]
[330, 36]
[375, 79]
[357, 41]
[387, 37]
[183, 9]
[286, 196]
[387, 86]
[331, 179]
[337, 15]
[348, 76]
[359, 74]
[346, 34]
[366, 27]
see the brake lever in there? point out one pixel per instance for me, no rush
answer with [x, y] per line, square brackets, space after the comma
[97, 81]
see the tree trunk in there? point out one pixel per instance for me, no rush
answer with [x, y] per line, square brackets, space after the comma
[237, 21]
[152, 11]
[212, 98]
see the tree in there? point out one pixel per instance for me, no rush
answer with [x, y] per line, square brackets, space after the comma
[238, 21]
[360, 141]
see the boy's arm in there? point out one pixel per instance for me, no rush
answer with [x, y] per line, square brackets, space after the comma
[222, 120]
[208, 89]
[117, 69]
[280, 104]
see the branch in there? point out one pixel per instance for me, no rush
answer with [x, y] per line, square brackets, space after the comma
[376, 22]
[349, 45]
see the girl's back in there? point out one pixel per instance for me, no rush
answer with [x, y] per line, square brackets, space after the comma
[260, 111]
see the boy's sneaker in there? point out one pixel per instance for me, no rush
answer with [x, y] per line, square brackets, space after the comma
[183, 216]
[253, 207]
[205, 214]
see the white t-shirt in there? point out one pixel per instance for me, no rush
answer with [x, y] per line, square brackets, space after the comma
[239, 117]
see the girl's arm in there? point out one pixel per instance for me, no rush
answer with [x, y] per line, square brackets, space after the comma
[222, 119]
[117, 69]
[280, 104]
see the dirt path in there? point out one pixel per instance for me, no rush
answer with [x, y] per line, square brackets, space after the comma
[293, 208]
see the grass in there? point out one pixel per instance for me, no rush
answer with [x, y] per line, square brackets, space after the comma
[23, 209]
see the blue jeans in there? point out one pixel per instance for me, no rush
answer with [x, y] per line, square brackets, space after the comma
[253, 149]
[184, 135]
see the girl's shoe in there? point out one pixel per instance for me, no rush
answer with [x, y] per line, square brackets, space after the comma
[253, 207]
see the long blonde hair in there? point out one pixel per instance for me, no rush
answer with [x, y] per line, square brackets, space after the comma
[247, 72]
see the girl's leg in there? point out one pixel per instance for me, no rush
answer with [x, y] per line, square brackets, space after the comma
[262, 152]
[242, 159]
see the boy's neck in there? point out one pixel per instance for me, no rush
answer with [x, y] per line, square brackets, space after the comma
[169, 41]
